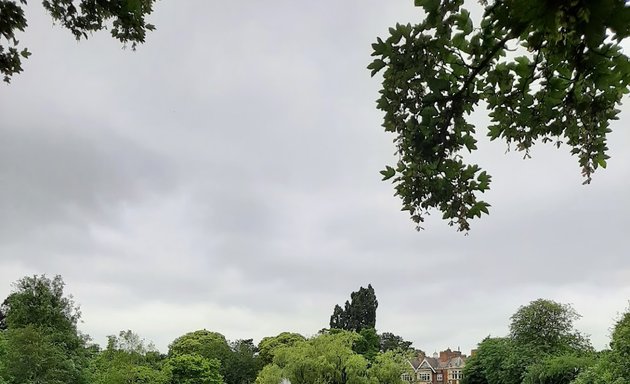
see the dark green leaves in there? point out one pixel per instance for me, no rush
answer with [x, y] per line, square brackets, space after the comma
[563, 87]
[388, 173]
[124, 18]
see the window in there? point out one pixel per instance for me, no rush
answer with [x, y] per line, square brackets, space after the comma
[424, 376]
[455, 374]
[406, 377]
[440, 377]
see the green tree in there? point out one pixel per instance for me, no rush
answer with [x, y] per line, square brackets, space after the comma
[359, 312]
[543, 348]
[238, 363]
[368, 344]
[562, 85]
[499, 361]
[324, 358]
[392, 342]
[211, 345]
[3, 323]
[613, 366]
[43, 343]
[474, 371]
[561, 369]
[124, 18]
[244, 363]
[547, 327]
[127, 359]
[329, 358]
[269, 345]
[36, 356]
[3, 354]
[339, 317]
[193, 369]
[270, 374]
[40, 301]
[388, 367]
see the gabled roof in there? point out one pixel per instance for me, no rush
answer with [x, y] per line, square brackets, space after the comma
[432, 363]
[426, 363]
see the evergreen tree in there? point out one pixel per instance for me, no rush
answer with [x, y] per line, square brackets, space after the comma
[359, 313]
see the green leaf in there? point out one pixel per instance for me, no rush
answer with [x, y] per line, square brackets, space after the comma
[428, 5]
[376, 66]
[388, 173]
[437, 85]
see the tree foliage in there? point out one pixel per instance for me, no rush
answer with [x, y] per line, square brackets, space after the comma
[269, 345]
[562, 85]
[561, 369]
[211, 345]
[392, 342]
[193, 369]
[498, 361]
[244, 363]
[42, 340]
[124, 18]
[368, 345]
[329, 358]
[127, 360]
[542, 348]
[547, 327]
[358, 313]
[613, 366]
[238, 363]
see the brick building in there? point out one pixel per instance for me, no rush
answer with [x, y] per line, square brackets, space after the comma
[443, 368]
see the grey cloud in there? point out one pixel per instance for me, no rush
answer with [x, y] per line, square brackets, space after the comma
[58, 176]
[231, 164]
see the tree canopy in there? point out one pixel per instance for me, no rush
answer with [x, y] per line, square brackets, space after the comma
[562, 84]
[547, 327]
[613, 366]
[124, 18]
[42, 340]
[358, 313]
[543, 347]
[269, 345]
[329, 358]
[392, 342]
[127, 359]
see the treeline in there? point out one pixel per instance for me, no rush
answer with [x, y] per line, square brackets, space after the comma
[543, 347]
[40, 343]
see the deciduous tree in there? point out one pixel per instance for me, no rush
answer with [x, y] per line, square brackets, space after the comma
[124, 18]
[612, 366]
[127, 359]
[547, 327]
[269, 345]
[392, 342]
[329, 358]
[562, 85]
[43, 343]
[193, 369]
[244, 363]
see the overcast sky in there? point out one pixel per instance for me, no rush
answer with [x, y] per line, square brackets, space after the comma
[226, 176]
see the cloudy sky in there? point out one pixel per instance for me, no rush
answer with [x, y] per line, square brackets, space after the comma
[226, 176]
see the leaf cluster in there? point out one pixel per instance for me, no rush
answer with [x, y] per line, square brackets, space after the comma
[564, 88]
[126, 20]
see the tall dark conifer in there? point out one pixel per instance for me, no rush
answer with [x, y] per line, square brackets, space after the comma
[358, 313]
